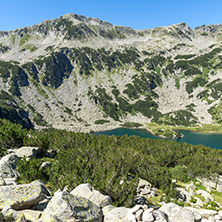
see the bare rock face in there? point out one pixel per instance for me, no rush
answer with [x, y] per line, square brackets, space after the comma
[87, 191]
[64, 206]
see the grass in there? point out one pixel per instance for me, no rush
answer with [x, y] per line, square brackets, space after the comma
[217, 196]
[161, 129]
[24, 39]
[29, 47]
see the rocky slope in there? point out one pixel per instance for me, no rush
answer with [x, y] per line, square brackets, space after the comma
[85, 74]
[35, 202]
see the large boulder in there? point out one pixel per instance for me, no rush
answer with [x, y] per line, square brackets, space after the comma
[117, 214]
[176, 213]
[8, 166]
[27, 152]
[203, 212]
[64, 206]
[87, 191]
[20, 197]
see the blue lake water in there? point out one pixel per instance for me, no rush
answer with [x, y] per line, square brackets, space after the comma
[195, 138]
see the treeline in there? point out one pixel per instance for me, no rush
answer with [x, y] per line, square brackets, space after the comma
[112, 164]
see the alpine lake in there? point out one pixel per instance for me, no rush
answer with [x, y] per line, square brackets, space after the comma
[195, 138]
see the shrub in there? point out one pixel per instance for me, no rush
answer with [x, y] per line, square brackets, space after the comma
[30, 170]
[11, 135]
[180, 173]
[101, 121]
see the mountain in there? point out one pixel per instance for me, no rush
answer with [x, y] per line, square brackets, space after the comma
[84, 74]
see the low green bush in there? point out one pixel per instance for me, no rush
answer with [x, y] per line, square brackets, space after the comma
[11, 135]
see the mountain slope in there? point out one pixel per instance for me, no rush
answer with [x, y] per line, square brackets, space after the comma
[84, 74]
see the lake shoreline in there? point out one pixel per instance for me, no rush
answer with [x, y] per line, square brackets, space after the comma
[212, 140]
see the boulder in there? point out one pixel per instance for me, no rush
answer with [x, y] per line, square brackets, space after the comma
[11, 215]
[8, 166]
[117, 214]
[183, 195]
[142, 183]
[159, 216]
[176, 213]
[27, 152]
[64, 206]
[107, 208]
[21, 196]
[136, 213]
[141, 200]
[203, 212]
[40, 183]
[32, 215]
[87, 191]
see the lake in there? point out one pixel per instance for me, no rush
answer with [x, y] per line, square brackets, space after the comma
[195, 138]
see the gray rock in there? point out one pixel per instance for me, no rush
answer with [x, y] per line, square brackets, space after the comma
[159, 216]
[107, 208]
[2, 182]
[146, 191]
[31, 215]
[40, 183]
[20, 196]
[41, 206]
[64, 206]
[176, 213]
[27, 152]
[117, 214]
[203, 212]
[183, 195]
[141, 200]
[10, 181]
[11, 215]
[87, 191]
[46, 165]
[8, 166]
[142, 183]
[147, 216]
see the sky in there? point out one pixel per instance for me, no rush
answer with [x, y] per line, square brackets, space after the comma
[137, 14]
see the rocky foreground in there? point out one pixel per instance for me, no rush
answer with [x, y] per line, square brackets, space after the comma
[35, 202]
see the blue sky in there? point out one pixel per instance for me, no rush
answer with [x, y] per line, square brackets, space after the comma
[137, 14]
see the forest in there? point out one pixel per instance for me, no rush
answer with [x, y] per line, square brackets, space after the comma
[104, 161]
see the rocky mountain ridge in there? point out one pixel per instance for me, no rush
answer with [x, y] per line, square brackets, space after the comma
[84, 74]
